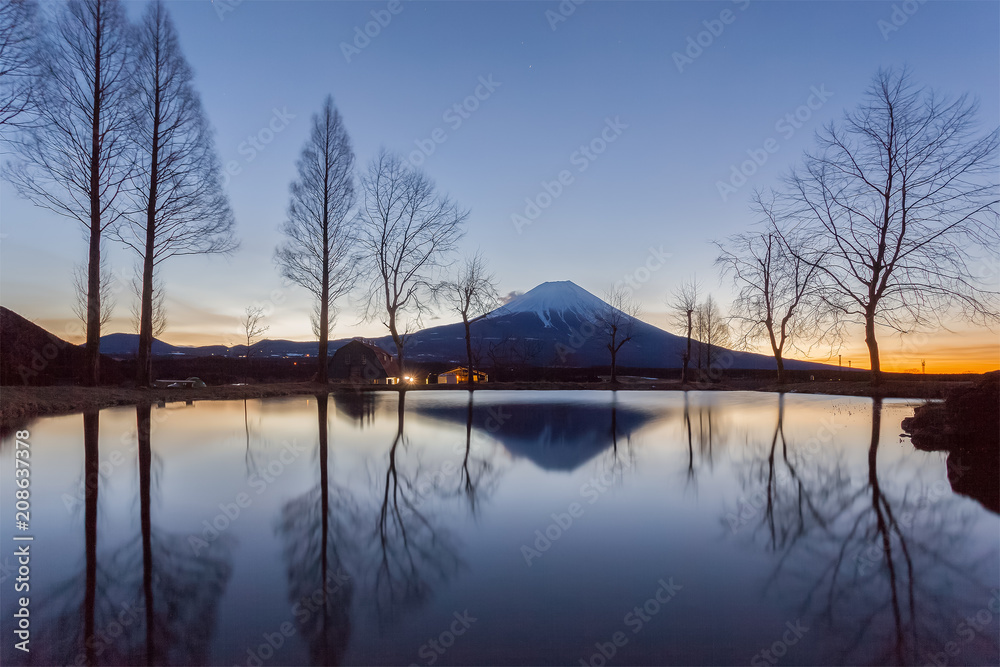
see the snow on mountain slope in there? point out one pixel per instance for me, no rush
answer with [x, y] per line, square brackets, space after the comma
[553, 299]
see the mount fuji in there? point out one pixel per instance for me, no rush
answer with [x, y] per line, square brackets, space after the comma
[554, 325]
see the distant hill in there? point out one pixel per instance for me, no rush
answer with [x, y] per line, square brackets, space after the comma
[31, 355]
[124, 345]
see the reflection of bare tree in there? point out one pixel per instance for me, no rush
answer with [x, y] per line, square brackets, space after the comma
[704, 427]
[84, 604]
[147, 602]
[479, 474]
[615, 463]
[416, 554]
[180, 591]
[318, 528]
[248, 457]
[890, 576]
[258, 447]
[687, 427]
[789, 508]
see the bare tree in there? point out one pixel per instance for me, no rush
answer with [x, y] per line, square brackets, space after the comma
[901, 196]
[253, 325]
[316, 253]
[253, 328]
[19, 32]
[80, 291]
[159, 310]
[615, 322]
[711, 330]
[180, 207]
[684, 303]
[407, 230]
[777, 291]
[74, 158]
[472, 293]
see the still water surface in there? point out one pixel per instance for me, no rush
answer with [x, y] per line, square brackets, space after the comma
[505, 528]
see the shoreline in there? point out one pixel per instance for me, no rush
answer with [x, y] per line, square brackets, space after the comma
[21, 404]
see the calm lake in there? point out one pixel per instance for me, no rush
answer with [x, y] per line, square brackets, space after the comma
[522, 527]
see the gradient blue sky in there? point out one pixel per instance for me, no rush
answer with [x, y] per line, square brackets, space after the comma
[655, 186]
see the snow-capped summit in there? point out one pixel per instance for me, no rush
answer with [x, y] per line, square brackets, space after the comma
[549, 301]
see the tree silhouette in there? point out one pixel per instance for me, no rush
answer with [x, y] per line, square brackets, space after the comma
[74, 158]
[320, 529]
[897, 198]
[316, 252]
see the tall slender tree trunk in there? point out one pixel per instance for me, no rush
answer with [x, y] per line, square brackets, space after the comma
[324, 329]
[687, 354]
[93, 373]
[468, 348]
[873, 349]
[324, 306]
[398, 342]
[145, 359]
[779, 362]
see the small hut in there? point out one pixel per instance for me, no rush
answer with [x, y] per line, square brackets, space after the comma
[363, 362]
[460, 375]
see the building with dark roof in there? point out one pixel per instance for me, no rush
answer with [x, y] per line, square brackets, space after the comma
[362, 362]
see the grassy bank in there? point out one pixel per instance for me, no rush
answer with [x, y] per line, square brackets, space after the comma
[20, 404]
